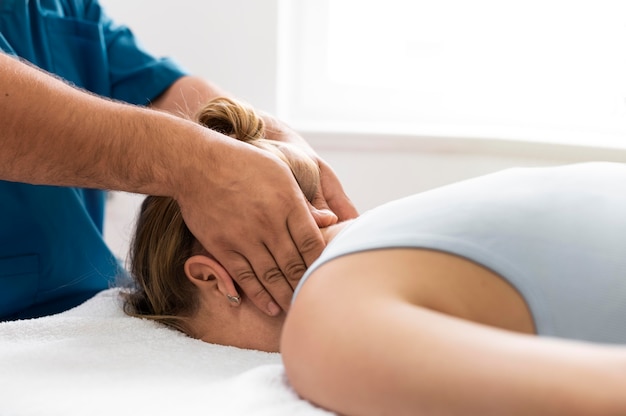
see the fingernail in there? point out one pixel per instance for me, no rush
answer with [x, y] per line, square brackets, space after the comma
[273, 308]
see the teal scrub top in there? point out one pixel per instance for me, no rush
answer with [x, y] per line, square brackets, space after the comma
[52, 252]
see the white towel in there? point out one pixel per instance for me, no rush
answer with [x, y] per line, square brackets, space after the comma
[96, 360]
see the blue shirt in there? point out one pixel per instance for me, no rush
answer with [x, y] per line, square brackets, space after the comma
[52, 253]
[557, 235]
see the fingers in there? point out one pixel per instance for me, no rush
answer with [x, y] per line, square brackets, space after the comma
[260, 228]
[269, 271]
[292, 254]
[307, 238]
[333, 196]
[342, 207]
[259, 277]
[270, 283]
[242, 273]
[274, 268]
[323, 217]
[322, 214]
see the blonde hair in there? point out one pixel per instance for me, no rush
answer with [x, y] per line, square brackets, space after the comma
[162, 242]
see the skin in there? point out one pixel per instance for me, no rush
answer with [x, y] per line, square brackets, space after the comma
[221, 321]
[97, 143]
[384, 340]
[331, 203]
[472, 293]
[371, 334]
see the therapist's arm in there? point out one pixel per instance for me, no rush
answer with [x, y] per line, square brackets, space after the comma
[257, 226]
[188, 94]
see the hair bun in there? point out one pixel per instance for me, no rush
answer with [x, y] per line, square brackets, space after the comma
[232, 118]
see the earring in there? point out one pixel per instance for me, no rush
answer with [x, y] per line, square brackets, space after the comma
[234, 299]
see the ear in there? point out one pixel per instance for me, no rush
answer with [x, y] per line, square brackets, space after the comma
[208, 275]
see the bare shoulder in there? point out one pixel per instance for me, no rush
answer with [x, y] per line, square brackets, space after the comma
[431, 279]
[357, 343]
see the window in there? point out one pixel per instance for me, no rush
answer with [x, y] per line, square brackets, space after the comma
[549, 70]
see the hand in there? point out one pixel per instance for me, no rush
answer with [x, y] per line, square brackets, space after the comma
[332, 197]
[252, 217]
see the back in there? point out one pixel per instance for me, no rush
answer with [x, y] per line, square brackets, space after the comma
[558, 235]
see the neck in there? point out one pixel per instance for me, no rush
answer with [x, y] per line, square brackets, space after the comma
[330, 232]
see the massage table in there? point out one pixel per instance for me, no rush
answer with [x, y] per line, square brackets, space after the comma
[95, 360]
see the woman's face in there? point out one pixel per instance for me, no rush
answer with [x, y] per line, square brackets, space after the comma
[244, 325]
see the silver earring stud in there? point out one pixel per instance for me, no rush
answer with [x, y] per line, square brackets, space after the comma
[234, 299]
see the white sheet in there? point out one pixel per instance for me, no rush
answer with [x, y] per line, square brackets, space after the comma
[95, 360]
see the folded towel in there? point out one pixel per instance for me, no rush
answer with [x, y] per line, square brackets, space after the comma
[95, 360]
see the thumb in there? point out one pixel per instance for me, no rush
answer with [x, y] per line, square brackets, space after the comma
[323, 217]
[321, 212]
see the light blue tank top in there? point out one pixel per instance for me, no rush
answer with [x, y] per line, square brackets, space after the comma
[557, 234]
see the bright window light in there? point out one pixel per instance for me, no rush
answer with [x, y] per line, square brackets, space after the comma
[550, 70]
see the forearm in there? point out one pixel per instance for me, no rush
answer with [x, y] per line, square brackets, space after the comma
[185, 96]
[52, 133]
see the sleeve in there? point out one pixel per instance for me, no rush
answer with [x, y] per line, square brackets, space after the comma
[5, 47]
[135, 75]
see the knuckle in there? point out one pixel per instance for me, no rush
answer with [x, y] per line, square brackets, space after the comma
[295, 270]
[251, 285]
[244, 276]
[310, 245]
[273, 275]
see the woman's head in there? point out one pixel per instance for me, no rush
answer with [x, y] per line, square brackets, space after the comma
[177, 281]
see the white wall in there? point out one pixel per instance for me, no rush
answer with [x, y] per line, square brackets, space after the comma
[235, 44]
[376, 168]
[231, 42]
